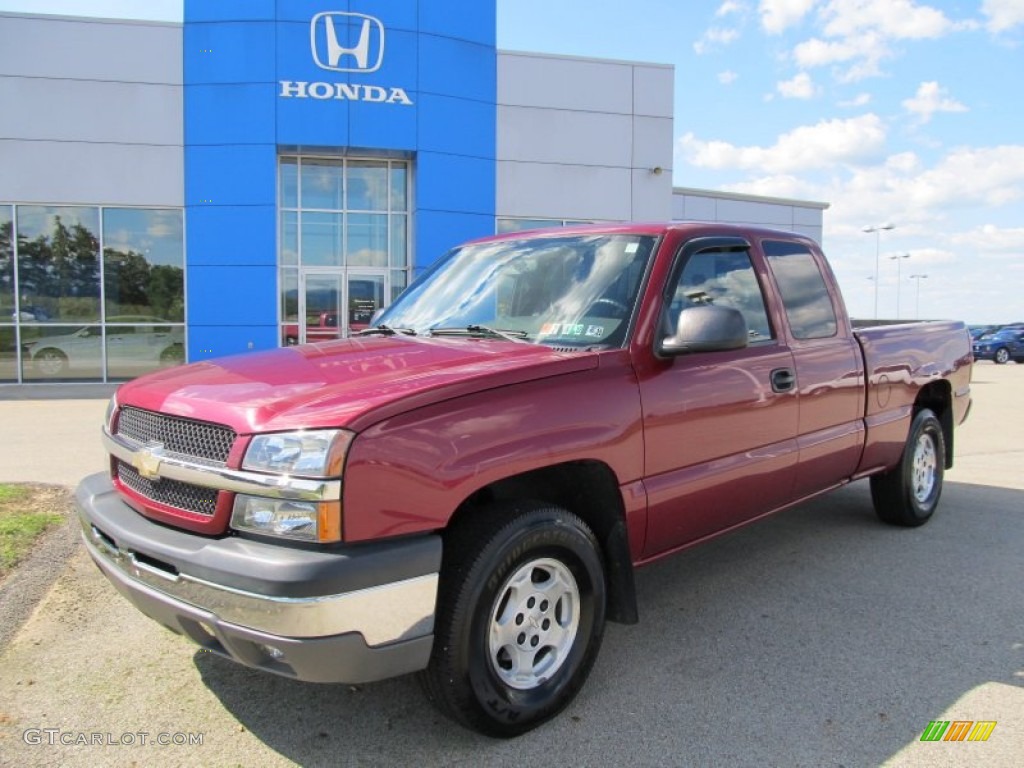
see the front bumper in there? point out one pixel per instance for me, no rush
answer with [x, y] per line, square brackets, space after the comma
[344, 615]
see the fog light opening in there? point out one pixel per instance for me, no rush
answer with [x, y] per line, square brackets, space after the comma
[271, 652]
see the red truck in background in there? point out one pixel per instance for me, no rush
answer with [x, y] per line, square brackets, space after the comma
[465, 489]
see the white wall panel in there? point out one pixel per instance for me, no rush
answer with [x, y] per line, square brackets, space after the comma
[91, 49]
[652, 196]
[94, 174]
[563, 136]
[91, 111]
[563, 191]
[538, 80]
[652, 144]
[653, 90]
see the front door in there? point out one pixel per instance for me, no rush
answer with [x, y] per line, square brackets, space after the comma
[720, 427]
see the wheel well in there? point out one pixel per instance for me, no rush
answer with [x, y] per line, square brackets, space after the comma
[588, 489]
[938, 398]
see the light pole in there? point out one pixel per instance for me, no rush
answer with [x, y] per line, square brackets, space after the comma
[898, 259]
[917, 302]
[877, 229]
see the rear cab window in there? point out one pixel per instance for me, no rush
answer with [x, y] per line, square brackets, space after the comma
[802, 287]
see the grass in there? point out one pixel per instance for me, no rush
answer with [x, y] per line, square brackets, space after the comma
[26, 512]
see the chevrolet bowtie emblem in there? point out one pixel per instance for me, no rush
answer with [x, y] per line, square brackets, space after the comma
[147, 461]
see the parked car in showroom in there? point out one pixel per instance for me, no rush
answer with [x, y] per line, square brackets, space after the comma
[1002, 346]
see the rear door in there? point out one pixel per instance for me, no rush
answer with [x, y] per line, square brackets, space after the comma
[720, 427]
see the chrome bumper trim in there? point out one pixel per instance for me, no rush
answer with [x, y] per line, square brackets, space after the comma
[153, 464]
[383, 614]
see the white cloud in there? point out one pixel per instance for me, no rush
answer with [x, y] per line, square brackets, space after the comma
[893, 19]
[991, 239]
[821, 146]
[799, 87]
[1003, 14]
[715, 37]
[929, 99]
[860, 100]
[728, 77]
[778, 15]
[731, 7]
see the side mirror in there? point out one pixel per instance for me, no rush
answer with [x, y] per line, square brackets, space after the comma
[706, 329]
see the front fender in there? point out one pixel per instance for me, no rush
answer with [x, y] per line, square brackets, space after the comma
[409, 473]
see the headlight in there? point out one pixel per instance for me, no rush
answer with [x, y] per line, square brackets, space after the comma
[302, 520]
[316, 453]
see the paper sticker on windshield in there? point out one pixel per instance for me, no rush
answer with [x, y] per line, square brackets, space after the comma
[631, 247]
[572, 329]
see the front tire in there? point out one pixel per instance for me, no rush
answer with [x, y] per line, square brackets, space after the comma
[520, 617]
[908, 494]
[1002, 356]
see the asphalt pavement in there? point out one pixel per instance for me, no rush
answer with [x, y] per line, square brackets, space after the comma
[818, 637]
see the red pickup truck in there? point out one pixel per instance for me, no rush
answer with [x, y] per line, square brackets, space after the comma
[465, 488]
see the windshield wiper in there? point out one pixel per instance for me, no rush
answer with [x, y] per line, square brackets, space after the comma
[387, 330]
[481, 330]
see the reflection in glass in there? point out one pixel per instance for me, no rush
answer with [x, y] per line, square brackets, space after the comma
[289, 184]
[365, 297]
[398, 188]
[399, 237]
[804, 293]
[58, 263]
[143, 265]
[8, 354]
[322, 239]
[7, 309]
[133, 350]
[367, 185]
[289, 307]
[289, 237]
[367, 240]
[399, 281]
[62, 353]
[322, 182]
[577, 290]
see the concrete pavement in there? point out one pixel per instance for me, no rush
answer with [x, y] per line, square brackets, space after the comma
[817, 637]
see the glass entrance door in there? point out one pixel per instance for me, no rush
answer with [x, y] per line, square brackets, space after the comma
[334, 304]
[366, 292]
[320, 316]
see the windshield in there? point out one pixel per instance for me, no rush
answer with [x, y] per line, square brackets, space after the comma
[574, 290]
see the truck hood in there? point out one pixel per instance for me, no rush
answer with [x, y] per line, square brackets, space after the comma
[351, 383]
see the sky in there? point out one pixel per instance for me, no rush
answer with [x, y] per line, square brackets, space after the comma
[894, 112]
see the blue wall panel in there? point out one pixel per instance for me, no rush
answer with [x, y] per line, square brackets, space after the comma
[437, 232]
[230, 175]
[229, 52]
[232, 235]
[236, 113]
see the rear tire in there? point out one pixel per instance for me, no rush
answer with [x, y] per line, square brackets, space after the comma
[520, 617]
[908, 494]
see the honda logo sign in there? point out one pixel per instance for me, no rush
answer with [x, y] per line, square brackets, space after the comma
[364, 50]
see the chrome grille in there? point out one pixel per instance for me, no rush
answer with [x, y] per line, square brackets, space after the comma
[185, 437]
[173, 493]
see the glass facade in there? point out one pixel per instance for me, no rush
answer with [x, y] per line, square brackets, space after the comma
[343, 248]
[90, 293]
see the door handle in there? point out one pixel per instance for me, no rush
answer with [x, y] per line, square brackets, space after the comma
[783, 380]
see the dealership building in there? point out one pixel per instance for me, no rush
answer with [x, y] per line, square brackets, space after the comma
[268, 173]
